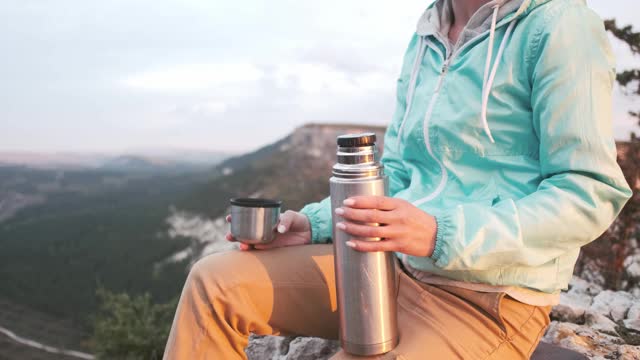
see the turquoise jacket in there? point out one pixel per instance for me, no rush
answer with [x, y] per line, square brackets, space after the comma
[507, 141]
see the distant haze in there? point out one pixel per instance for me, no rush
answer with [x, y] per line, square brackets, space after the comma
[92, 160]
[109, 76]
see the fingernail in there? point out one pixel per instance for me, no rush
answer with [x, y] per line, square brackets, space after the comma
[349, 202]
[281, 229]
[341, 225]
[350, 244]
[339, 211]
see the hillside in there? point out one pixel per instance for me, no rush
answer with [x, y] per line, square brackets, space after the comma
[295, 169]
[87, 232]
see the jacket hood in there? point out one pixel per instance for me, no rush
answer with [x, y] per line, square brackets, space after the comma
[438, 17]
[437, 21]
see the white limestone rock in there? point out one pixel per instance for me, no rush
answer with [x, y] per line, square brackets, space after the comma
[583, 339]
[632, 266]
[613, 304]
[581, 286]
[628, 352]
[572, 307]
[305, 348]
[600, 323]
[633, 317]
[634, 311]
[290, 348]
[576, 301]
[633, 324]
[266, 347]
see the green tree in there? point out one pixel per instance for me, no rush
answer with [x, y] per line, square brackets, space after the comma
[131, 327]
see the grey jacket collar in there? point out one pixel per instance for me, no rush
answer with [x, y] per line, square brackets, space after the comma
[437, 19]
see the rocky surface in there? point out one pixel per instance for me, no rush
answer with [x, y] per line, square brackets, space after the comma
[207, 236]
[600, 324]
[298, 348]
[632, 273]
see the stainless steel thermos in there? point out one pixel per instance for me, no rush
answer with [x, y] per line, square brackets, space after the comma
[366, 281]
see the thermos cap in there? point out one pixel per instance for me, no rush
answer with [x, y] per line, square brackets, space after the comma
[255, 202]
[357, 140]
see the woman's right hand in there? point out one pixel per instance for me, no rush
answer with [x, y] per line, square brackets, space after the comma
[293, 229]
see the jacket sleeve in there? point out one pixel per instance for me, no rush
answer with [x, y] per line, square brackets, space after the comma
[319, 214]
[583, 188]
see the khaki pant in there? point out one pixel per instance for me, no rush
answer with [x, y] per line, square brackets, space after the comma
[291, 290]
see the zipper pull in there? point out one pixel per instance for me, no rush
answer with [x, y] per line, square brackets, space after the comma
[445, 66]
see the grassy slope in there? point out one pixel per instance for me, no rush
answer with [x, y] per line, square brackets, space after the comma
[32, 324]
[53, 256]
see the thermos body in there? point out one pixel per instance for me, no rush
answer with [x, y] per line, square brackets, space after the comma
[366, 281]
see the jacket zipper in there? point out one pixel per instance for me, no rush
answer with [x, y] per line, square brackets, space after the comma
[427, 119]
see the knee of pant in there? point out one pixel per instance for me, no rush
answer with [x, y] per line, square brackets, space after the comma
[208, 275]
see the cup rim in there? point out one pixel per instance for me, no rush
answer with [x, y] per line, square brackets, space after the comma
[256, 202]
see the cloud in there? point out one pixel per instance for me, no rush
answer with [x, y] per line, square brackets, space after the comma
[210, 107]
[193, 77]
[205, 108]
[120, 74]
[319, 78]
[311, 78]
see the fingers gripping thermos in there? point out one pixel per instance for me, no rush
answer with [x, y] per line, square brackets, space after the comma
[366, 281]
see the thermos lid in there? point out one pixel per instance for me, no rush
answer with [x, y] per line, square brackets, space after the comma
[356, 140]
[255, 202]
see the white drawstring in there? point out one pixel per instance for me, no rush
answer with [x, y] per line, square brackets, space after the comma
[489, 70]
[488, 79]
[492, 33]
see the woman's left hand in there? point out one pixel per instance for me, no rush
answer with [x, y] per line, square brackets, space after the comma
[403, 227]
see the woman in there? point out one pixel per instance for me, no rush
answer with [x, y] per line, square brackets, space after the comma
[502, 165]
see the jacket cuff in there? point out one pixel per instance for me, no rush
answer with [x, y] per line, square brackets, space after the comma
[319, 223]
[444, 234]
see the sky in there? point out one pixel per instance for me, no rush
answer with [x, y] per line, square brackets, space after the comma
[226, 75]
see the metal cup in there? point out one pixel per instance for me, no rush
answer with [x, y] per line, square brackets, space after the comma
[254, 221]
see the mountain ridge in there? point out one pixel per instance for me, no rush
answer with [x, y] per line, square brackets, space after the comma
[295, 169]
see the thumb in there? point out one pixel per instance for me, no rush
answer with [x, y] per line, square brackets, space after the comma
[286, 220]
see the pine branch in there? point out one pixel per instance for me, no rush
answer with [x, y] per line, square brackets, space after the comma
[627, 78]
[625, 34]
